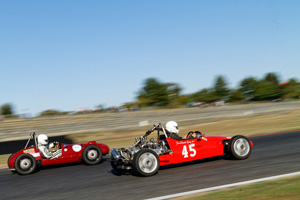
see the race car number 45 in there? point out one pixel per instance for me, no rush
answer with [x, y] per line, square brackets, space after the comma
[192, 152]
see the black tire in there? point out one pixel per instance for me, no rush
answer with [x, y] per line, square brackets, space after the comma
[239, 147]
[115, 167]
[92, 155]
[145, 162]
[25, 164]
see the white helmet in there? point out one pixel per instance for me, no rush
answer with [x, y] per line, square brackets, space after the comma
[43, 139]
[172, 127]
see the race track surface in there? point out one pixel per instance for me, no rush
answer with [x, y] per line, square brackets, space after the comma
[272, 155]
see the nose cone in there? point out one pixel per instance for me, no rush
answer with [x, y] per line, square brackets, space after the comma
[104, 148]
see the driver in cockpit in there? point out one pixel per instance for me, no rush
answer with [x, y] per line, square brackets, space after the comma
[172, 132]
[42, 146]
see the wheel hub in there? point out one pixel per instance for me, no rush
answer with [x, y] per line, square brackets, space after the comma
[92, 154]
[25, 163]
[241, 147]
[147, 162]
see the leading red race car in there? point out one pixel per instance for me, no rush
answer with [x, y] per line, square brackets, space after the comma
[26, 160]
[145, 157]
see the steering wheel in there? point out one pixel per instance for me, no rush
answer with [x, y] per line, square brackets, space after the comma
[189, 134]
[199, 134]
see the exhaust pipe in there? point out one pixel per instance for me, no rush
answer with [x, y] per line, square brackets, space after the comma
[116, 156]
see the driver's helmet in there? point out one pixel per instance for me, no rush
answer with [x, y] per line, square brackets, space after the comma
[172, 127]
[43, 139]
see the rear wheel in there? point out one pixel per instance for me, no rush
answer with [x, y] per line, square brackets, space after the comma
[239, 147]
[92, 155]
[25, 164]
[146, 162]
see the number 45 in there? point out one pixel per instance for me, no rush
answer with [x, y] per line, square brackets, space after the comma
[191, 149]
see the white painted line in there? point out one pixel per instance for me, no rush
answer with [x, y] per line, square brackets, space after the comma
[223, 186]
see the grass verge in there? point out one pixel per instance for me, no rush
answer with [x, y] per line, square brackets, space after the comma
[3, 160]
[282, 189]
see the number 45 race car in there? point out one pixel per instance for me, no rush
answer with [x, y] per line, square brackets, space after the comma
[145, 157]
[26, 160]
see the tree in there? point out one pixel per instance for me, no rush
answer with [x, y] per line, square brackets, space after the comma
[266, 90]
[183, 99]
[272, 78]
[153, 93]
[220, 87]
[236, 95]
[174, 91]
[205, 95]
[290, 89]
[248, 84]
[52, 112]
[6, 109]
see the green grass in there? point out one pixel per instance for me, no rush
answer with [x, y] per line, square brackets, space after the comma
[3, 160]
[282, 189]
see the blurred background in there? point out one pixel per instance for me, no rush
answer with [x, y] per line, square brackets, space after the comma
[102, 69]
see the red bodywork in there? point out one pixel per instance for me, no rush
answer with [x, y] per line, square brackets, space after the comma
[70, 153]
[194, 149]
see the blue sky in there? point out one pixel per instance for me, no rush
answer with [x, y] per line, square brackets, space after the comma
[71, 54]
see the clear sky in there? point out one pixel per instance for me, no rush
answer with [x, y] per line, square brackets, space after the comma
[71, 54]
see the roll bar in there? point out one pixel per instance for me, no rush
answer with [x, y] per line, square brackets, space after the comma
[32, 136]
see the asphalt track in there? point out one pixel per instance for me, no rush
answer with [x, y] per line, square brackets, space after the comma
[272, 155]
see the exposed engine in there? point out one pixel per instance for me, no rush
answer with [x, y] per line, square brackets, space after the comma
[125, 155]
[142, 143]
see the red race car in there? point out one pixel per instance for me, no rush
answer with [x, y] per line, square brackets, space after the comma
[26, 160]
[146, 156]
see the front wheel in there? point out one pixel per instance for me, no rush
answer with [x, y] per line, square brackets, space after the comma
[146, 162]
[239, 147]
[25, 164]
[92, 155]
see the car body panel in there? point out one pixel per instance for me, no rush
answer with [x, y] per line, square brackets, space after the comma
[194, 149]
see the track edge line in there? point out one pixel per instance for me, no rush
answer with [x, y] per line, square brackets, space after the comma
[224, 186]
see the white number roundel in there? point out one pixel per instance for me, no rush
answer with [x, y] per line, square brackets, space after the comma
[76, 147]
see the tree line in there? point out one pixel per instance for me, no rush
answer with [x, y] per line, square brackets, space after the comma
[155, 93]
[158, 94]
